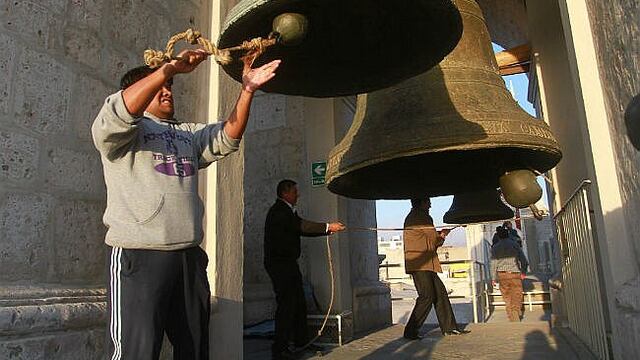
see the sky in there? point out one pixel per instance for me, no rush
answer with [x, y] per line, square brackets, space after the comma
[391, 213]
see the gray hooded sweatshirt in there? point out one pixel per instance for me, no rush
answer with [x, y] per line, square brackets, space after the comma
[151, 172]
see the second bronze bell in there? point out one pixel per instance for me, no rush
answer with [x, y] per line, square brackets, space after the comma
[476, 207]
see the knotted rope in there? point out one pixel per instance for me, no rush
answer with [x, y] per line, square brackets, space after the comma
[155, 58]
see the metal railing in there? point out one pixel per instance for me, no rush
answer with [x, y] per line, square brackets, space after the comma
[580, 272]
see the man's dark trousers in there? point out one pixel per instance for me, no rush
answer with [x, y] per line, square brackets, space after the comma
[154, 292]
[431, 291]
[291, 313]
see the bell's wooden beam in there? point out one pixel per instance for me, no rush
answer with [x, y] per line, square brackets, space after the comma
[515, 60]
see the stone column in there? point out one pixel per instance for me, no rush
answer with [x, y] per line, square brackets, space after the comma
[371, 298]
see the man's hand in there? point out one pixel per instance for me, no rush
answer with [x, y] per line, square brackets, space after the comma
[253, 79]
[523, 276]
[444, 232]
[189, 60]
[335, 227]
[493, 283]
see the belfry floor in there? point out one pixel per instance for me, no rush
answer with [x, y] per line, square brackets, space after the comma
[497, 338]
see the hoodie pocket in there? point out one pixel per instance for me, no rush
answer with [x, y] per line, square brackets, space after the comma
[176, 219]
[149, 216]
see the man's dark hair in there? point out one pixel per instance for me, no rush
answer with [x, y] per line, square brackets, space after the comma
[417, 201]
[284, 186]
[134, 75]
[503, 233]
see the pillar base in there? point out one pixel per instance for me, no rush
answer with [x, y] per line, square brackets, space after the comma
[371, 306]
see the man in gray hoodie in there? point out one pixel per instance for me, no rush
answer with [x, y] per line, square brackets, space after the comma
[157, 271]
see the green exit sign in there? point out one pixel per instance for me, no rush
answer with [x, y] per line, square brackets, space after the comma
[318, 170]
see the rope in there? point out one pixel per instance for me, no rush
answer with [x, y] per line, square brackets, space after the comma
[326, 317]
[537, 214]
[545, 177]
[155, 58]
[357, 228]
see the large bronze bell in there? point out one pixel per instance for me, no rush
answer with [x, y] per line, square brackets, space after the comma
[344, 47]
[476, 207]
[453, 129]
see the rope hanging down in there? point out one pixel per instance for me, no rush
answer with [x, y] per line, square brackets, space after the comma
[155, 58]
[333, 296]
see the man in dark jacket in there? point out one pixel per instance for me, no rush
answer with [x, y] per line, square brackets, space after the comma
[282, 231]
[421, 241]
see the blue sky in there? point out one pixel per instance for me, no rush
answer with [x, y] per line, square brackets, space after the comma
[391, 213]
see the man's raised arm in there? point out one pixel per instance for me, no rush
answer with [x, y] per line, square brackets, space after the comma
[252, 80]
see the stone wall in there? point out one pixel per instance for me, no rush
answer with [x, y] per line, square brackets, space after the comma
[59, 60]
[616, 29]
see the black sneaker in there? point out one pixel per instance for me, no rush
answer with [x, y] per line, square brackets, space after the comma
[413, 337]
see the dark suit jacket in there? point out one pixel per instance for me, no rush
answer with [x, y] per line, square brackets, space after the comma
[282, 231]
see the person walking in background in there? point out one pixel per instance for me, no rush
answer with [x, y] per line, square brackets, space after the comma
[513, 233]
[421, 241]
[495, 238]
[508, 268]
[282, 231]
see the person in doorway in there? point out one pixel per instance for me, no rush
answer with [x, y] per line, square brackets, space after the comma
[421, 241]
[282, 230]
[508, 268]
[157, 271]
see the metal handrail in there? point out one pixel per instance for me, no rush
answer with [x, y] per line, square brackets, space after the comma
[582, 289]
[583, 184]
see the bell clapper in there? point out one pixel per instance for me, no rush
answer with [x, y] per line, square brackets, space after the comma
[291, 28]
[520, 188]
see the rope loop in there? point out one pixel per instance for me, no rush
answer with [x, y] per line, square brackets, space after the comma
[155, 58]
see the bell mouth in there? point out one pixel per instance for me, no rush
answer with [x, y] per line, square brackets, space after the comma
[439, 173]
[475, 219]
[351, 47]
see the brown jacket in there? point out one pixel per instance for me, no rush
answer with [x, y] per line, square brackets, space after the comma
[420, 243]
